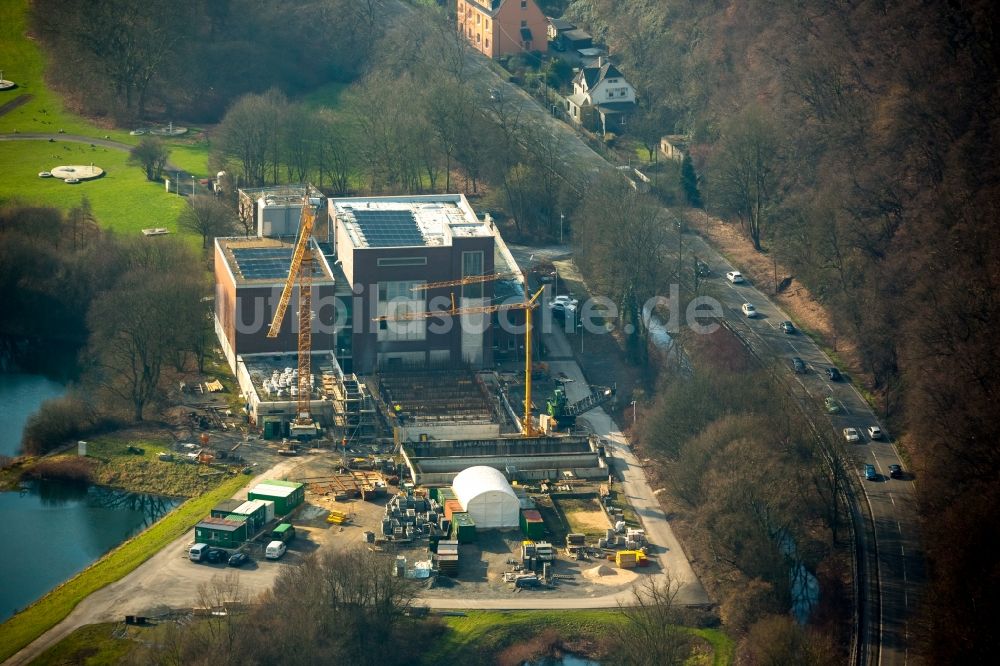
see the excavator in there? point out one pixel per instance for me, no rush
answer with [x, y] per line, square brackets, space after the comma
[565, 414]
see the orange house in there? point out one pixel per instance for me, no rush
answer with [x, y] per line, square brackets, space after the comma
[502, 27]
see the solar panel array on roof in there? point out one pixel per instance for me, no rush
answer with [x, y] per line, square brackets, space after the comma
[388, 228]
[266, 263]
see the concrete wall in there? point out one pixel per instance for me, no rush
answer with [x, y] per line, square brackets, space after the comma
[411, 433]
[437, 462]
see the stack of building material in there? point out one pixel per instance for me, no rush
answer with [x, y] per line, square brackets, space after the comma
[629, 559]
[463, 528]
[446, 558]
[532, 524]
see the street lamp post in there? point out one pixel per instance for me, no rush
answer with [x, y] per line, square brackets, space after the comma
[192, 185]
[561, 218]
[633, 413]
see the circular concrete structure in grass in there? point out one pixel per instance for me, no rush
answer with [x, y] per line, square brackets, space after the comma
[7, 85]
[77, 171]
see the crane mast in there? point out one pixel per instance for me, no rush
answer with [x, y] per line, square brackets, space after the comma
[300, 273]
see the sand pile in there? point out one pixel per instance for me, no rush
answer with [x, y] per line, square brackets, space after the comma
[599, 571]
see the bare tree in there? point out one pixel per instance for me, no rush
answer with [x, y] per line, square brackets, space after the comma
[151, 154]
[745, 175]
[208, 217]
[652, 635]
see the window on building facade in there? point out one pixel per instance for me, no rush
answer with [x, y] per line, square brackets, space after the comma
[524, 4]
[478, 19]
[472, 264]
[477, 37]
[402, 261]
[487, 42]
[397, 298]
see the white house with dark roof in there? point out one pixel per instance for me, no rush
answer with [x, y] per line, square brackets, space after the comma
[603, 88]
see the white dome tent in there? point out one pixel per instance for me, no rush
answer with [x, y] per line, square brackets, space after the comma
[485, 494]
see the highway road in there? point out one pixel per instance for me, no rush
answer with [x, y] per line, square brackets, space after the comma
[898, 568]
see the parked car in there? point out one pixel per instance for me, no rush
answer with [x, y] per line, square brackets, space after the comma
[798, 365]
[852, 435]
[275, 550]
[895, 472]
[870, 473]
[749, 310]
[787, 327]
[702, 269]
[735, 277]
[197, 552]
[874, 432]
[563, 300]
[216, 555]
[238, 559]
[833, 374]
[832, 406]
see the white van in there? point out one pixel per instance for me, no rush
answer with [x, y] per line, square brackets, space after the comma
[275, 550]
[197, 552]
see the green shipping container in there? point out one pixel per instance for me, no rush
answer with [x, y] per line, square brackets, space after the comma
[463, 528]
[221, 532]
[286, 495]
[272, 429]
[532, 524]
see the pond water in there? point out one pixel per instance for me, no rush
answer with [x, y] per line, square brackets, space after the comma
[21, 395]
[564, 660]
[54, 530]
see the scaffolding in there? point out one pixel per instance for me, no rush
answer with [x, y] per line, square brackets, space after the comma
[353, 408]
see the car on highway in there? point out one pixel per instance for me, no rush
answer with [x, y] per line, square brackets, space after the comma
[238, 559]
[798, 365]
[749, 310]
[735, 277]
[562, 306]
[870, 473]
[874, 432]
[831, 404]
[833, 374]
[787, 327]
[851, 435]
[895, 471]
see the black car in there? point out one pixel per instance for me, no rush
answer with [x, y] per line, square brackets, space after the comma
[833, 374]
[238, 559]
[797, 365]
[702, 269]
[895, 471]
[788, 327]
[215, 555]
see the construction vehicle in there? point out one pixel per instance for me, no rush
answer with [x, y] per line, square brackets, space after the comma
[300, 273]
[528, 428]
[565, 414]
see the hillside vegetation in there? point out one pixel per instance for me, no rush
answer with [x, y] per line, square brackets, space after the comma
[857, 141]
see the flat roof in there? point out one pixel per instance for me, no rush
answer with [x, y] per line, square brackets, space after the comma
[262, 368]
[416, 221]
[267, 260]
[222, 524]
[269, 489]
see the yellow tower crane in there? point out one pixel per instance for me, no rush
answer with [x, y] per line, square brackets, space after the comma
[300, 273]
[527, 427]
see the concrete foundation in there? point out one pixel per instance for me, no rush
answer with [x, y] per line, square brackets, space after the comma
[519, 458]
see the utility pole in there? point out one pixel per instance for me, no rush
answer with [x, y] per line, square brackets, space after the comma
[561, 218]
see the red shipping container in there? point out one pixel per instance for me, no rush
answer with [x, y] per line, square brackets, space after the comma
[452, 506]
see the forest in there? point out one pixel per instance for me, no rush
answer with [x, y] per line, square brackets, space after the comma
[857, 141]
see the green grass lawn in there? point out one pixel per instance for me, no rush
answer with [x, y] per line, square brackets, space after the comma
[91, 645]
[478, 633]
[41, 616]
[123, 200]
[24, 63]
